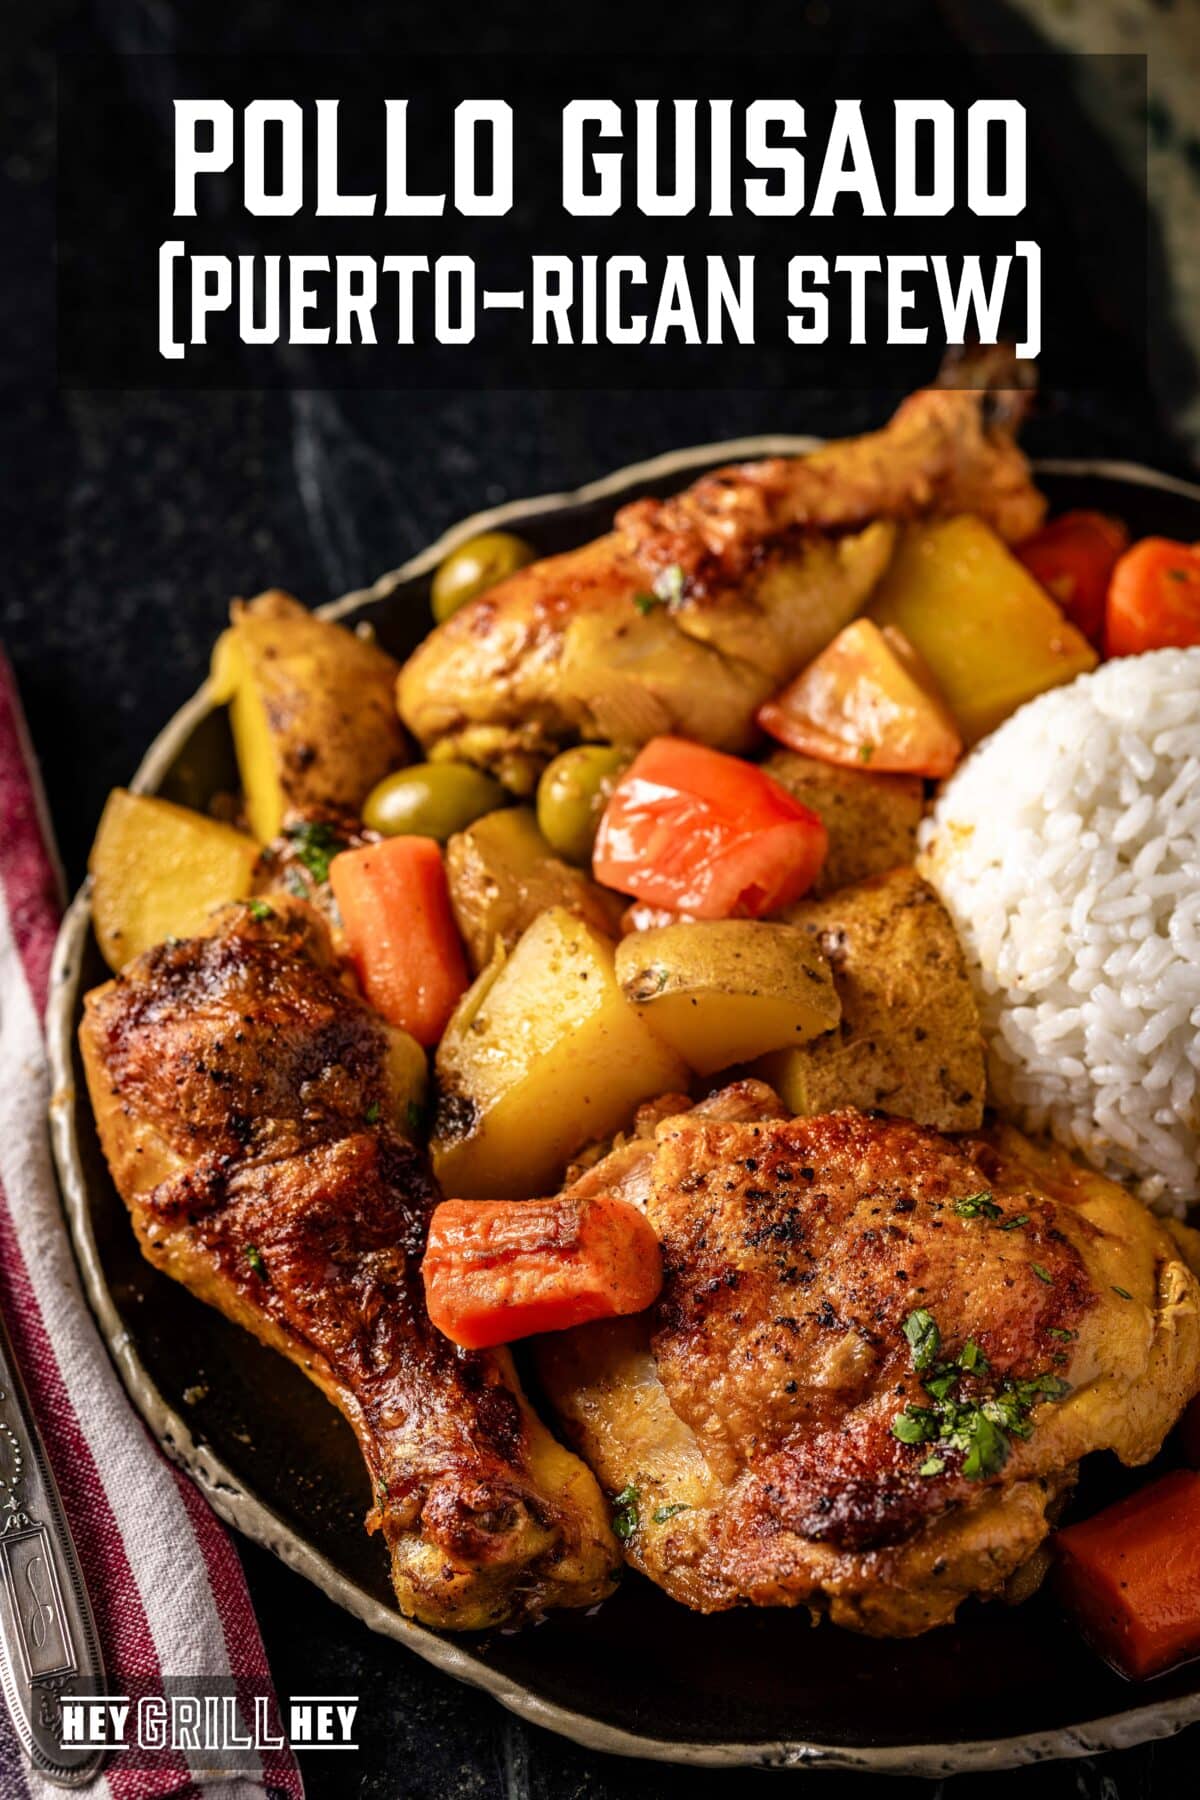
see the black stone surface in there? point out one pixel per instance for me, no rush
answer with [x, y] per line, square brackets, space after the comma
[131, 519]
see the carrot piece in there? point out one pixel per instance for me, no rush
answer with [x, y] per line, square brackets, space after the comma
[1154, 598]
[1131, 1575]
[395, 907]
[497, 1270]
[1073, 558]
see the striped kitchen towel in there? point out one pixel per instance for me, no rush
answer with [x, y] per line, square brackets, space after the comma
[166, 1585]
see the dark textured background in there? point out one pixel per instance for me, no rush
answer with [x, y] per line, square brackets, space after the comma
[131, 519]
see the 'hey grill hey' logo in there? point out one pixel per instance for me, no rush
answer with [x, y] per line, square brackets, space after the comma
[213, 1717]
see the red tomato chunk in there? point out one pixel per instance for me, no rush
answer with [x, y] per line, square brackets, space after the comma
[703, 833]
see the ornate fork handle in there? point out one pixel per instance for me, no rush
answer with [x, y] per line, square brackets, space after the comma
[48, 1644]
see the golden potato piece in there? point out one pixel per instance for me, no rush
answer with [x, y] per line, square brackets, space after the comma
[724, 990]
[990, 633]
[871, 819]
[312, 710]
[542, 1055]
[159, 870]
[503, 873]
[909, 1041]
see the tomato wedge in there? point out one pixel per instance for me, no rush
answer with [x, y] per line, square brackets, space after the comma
[868, 701]
[700, 832]
[1154, 598]
[1073, 557]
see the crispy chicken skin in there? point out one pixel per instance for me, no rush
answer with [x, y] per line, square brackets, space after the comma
[694, 610]
[753, 1407]
[246, 1109]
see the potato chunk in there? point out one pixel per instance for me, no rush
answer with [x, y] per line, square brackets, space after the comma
[871, 819]
[503, 873]
[725, 990]
[990, 633]
[312, 708]
[542, 1055]
[159, 870]
[909, 1040]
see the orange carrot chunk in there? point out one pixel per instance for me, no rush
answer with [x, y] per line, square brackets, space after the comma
[497, 1270]
[1154, 598]
[1131, 1576]
[395, 908]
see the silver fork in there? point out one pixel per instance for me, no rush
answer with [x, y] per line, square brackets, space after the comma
[48, 1646]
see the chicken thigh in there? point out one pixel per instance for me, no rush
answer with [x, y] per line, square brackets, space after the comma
[248, 1105]
[877, 1359]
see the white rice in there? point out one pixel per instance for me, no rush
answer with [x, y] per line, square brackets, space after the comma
[1067, 849]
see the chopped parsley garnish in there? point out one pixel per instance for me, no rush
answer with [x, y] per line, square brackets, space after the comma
[662, 1513]
[1123, 1293]
[625, 1513]
[865, 752]
[979, 1426]
[412, 1113]
[316, 845]
[977, 1206]
[254, 1258]
[382, 1488]
[1043, 1274]
[924, 1338]
[646, 603]
[1060, 1331]
[372, 1113]
[296, 884]
[260, 910]
[1014, 1224]
[915, 1425]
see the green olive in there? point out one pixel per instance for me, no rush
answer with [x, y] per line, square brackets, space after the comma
[431, 800]
[572, 794]
[475, 566]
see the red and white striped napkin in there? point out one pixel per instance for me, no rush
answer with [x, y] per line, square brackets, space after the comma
[168, 1591]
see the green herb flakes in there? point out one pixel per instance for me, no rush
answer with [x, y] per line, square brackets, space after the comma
[977, 1206]
[412, 1113]
[260, 910]
[372, 1113]
[1015, 1224]
[646, 603]
[625, 1513]
[924, 1338]
[865, 752]
[1060, 1331]
[971, 1359]
[254, 1258]
[915, 1425]
[1122, 1293]
[661, 1514]
[1042, 1274]
[933, 1465]
[316, 845]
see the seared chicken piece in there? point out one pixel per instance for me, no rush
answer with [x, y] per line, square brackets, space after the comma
[249, 1117]
[694, 610]
[876, 1361]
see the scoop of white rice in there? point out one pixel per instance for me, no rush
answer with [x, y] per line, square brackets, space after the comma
[1067, 849]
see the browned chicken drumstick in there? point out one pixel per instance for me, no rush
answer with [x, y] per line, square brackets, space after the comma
[694, 610]
[249, 1114]
[878, 1357]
